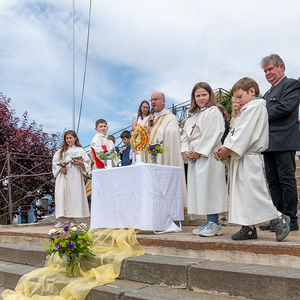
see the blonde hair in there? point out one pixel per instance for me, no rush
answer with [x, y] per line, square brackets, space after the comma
[246, 84]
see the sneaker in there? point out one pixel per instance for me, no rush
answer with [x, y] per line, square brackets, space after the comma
[196, 231]
[245, 233]
[282, 227]
[72, 223]
[265, 226]
[211, 229]
[61, 222]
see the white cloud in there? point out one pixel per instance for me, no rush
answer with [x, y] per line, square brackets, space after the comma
[136, 48]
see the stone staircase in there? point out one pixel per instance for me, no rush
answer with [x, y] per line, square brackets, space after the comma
[176, 266]
[183, 267]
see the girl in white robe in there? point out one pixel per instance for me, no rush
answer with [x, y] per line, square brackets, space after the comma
[69, 163]
[206, 177]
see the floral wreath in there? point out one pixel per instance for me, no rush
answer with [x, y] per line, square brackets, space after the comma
[140, 138]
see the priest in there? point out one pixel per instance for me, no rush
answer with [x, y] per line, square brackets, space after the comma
[162, 125]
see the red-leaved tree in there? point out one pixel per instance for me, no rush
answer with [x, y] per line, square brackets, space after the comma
[30, 150]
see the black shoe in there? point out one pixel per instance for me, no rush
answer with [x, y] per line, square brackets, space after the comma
[282, 227]
[245, 233]
[294, 226]
[265, 226]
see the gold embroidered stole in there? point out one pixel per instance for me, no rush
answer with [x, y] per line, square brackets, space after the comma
[153, 137]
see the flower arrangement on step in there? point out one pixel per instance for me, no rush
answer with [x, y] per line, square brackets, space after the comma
[72, 242]
[154, 149]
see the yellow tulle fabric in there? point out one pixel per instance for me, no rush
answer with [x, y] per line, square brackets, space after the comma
[112, 246]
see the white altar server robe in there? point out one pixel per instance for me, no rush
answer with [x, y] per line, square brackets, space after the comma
[70, 195]
[98, 141]
[249, 202]
[206, 176]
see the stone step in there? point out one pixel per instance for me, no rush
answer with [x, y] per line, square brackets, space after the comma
[10, 274]
[23, 254]
[263, 251]
[236, 279]
[159, 277]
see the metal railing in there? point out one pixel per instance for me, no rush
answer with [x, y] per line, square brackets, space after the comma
[16, 185]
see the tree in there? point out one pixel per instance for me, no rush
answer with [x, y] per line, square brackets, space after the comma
[224, 97]
[30, 150]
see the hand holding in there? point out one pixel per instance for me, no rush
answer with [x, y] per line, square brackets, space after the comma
[150, 118]
[63, 170]
[224, 152]
[79, 163]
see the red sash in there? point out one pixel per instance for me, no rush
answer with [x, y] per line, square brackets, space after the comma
[98, 162]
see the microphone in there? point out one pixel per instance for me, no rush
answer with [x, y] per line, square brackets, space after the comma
[152, 113]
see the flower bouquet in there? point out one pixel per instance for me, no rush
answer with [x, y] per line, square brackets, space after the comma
[72, 242]
[106, 156]
[154, 149]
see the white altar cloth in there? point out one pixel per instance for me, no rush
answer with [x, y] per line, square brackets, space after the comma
[146, 197]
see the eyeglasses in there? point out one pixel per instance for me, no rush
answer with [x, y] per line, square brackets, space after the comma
[155, 99]
[146, 107]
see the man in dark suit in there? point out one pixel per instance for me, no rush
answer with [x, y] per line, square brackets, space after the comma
[282, 105]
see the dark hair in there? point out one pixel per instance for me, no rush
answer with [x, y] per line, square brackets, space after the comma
[212, 97]
[245, 84]
[140, 109]
[223, 111]
[64, 147]
[125, 134]
[100, 121]
[111, 137]
[274, 58]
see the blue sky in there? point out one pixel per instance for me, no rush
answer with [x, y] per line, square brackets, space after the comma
[136, 47]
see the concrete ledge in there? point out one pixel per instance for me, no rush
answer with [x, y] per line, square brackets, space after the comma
[160, 270]
[250, 281]
[23, 254]
[11, 273]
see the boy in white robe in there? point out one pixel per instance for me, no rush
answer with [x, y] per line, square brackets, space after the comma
[249, 202]
[100, 139]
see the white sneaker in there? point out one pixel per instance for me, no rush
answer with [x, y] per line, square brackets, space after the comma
[72, 223]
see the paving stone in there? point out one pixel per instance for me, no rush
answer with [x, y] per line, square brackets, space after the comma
[115, 290]
[171, 271]
[252, 281]
[159, 293]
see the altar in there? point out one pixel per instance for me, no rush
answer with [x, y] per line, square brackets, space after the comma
[146, 197]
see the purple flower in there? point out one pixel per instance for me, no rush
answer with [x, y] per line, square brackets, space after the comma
[152, 147]
[57, 233]
[66, 228]
[52, 239]
[70, 245]
[105, 151]
[58, 246]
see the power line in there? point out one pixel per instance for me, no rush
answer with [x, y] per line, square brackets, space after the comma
[86, 56]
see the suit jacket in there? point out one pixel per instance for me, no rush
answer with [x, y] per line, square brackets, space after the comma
[282, 106]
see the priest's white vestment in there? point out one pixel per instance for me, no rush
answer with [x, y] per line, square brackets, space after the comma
[70, 195]
[206, 176]
[249, 202]
[166, 129]
[98, 141]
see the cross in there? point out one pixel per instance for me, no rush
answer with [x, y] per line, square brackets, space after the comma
[193, 127]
